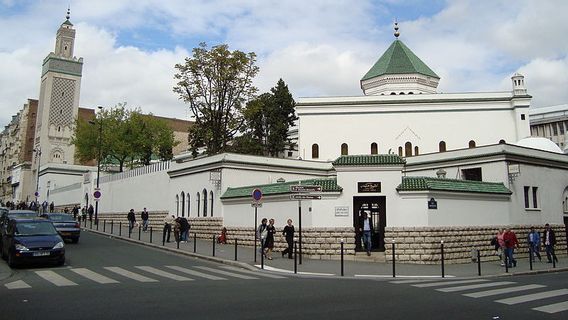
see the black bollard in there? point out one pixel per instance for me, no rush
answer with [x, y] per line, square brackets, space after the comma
[553, 259]
[213, 245]
[295, 257]
[235, 249]
[194, 242]
[506, 264]
[150, 234]
[393, 260]
[262, 260]
[91, 224]
[530, 257]
[342, 273]
[442, 252]
[111, 226]
[97, 224]
[177, 243]
[104, 226]
[120, 228]
[478, 263]
[139, 229]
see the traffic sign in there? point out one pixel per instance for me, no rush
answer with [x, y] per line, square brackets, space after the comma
[256, 204]
[305, 188]
[97, 194]
[257, 195]
[304, 197]
[37, 193]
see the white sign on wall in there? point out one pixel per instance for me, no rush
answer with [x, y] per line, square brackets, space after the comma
[342, 211]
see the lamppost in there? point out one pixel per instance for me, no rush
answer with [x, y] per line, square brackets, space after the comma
[99, 145]
[37, 159]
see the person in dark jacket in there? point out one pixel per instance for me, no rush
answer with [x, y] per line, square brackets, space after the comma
[288, 234]
[131, 220]
[183, 228]
[144, 216]
[269, 241]
[511, 243]
[91, 211]
[366, 228]
[549, 240]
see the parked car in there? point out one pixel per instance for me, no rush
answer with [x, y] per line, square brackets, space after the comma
[6, 215]
[32, 240]
[66, 226]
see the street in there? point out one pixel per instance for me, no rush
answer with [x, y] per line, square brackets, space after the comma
[106, 278]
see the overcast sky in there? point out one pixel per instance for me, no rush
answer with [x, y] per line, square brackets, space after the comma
[320, 48]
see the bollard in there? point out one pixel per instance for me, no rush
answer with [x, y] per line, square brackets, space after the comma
[194, 242]
[177, 243]
[342, 274]
[111, 226]
[393, 260]
[85, 223]
[150, 234]
[442, 252]
[120, 228]
[213, 245]
[553, 259]
[262, 260]
[235, 249]
[295, 257]
[129, 230]
[478, 263]
[104, 226]
[97, 224]
[506, 263]
[91, 224]
[139, 229]
[530, 257]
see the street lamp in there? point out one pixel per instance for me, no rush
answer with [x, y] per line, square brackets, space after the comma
[99, 145]
[38, 159]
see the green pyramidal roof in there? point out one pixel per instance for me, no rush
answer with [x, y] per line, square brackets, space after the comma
[439, 184]
[398, 59]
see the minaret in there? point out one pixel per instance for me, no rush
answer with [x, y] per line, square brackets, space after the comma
[58, 100]
[519, 88]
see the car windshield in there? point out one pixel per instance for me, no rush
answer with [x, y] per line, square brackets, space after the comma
[60, 217]
[30, 214]
[34, 228]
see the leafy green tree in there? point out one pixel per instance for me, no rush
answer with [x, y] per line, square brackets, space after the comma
[268, 120]
[127, 137]
[216, 83]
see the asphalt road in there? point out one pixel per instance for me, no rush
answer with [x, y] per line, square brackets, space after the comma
[95, 284]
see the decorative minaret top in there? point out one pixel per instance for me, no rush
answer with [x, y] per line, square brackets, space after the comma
[519, 88]
[65, 40]
[68, 13]
[396, 33]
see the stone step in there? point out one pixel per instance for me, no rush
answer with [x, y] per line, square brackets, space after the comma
[374, 257]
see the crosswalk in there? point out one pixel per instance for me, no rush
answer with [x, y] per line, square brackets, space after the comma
[67, 277]
[504, 292]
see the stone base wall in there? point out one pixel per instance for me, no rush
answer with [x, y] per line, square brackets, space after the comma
[421, 245]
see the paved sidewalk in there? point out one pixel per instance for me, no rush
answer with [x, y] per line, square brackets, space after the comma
[225, 253]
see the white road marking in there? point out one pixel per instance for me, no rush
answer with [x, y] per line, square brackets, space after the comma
[495, 292]
[164, 274]
[410, 281]
[91, 275]
[446, 283]
[226, 273]
[256, 273]
[534, 296]
[195, 273]
[131, 275]
[475, 286]
[269, 268]
[20, 284]
[55, 278]
[553, 308]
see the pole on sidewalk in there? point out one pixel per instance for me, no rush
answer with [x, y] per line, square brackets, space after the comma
[478, 263]
[213, 245]
[342, 274]
[139, 231]
[235, 249]
[295, 257]
[111, 226]
[177, 242]
[194, 242]
[506, 263]
[91, 224]
[300, 229]
[120, 228]
[530, 257]
[150, 234]
[553, 259]
[262, 260]
[104, 226]
[393, 260]
[442, 252]
[254, 230]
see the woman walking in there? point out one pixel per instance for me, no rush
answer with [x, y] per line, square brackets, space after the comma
[269, 242]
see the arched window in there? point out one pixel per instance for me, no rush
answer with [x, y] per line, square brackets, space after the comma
[408, 149]
[198, 203]
[182, 204]
[344, 149]
[442, 146]
[471, 144]
[211, 202]
[315, 151]
[177, 204]
[502, 141]
[374, 148]
[205, 202]
[188, 203]
[400, 151]
[416, 151]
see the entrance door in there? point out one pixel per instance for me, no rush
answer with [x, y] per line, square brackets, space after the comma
[375, 207]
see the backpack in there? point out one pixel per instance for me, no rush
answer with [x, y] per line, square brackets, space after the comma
[494, 241]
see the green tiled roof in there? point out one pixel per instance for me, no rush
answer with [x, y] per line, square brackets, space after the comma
[369, 160]
[399, 59]
[437, 184]
[328, 185]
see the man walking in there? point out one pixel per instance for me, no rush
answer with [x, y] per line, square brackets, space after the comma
[131, 220]
[549, 241]
[145, 216]
[288, 233]
[366, 228]
[168, 221]
[510, 243]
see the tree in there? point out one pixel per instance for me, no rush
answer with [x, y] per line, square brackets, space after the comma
[268, 120]
[216, 83]
[127, 136]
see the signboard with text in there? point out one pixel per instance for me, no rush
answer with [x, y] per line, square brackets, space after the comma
[304, 197]
[363, 187]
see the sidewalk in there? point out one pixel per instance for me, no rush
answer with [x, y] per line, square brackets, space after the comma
[225, 253]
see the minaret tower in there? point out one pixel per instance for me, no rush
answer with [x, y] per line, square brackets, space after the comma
[58, 100]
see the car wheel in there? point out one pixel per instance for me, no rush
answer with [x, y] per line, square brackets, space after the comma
[60, 262]
[11, 260]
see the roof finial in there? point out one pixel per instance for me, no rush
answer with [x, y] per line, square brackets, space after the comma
[68, 12]
[396, 33]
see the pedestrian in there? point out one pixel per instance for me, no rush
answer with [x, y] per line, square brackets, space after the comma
[131, 220]
[510, 243]
[533, 239]
[269, 242]
[222, 238]
[261, 233]
[91, 211]
[66, 210]
[84, 213]
[75, 212]
[44, 206]
[500, 247]
[168, 221]
[184, 229]
[51, 207]
[144, 216]
[288, 234]
[177, 229]
[549, 240]
[366, 227]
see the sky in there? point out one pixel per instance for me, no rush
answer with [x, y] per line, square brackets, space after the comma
[318, 47]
